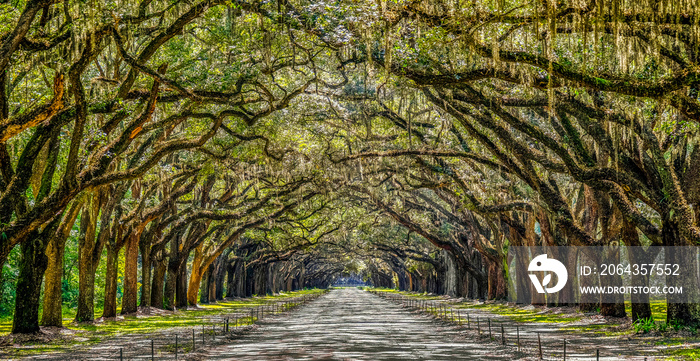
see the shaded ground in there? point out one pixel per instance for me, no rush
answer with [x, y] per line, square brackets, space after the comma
[350, 324]
[585, 335]
[138, 337]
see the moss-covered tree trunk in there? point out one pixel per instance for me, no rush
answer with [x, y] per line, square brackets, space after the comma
[640, 307]
[220, 277]
[131, 264]
[32, 265]
[181, 285]
[145, 250]
[204, 287]
[159, 269]
[683, 308]
[52, 314]
[211, 287]
[86, 262]
[33, 259]
[110, 302]
[230, 280]
[611, 255]
[497, 285]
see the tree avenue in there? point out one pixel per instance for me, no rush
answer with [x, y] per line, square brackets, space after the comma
[169, 153]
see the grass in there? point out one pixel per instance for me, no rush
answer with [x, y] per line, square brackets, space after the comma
[521, 315]
[686, 354]
[514, 313]
[658, 310]
[422, 296]
[89, 333]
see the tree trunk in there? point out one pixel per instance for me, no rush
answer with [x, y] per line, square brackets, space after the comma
[52, 314]
[110, 303]
[32, 265]
[171, 278]
[684, 308]
[181, 285]
[199, 274]
[157, 286]
[219, 281]
[498, 287]
[204, 286]
[145, 250]
[641, 309]
[86, 266]
[170, 286]
[611, 255]
[131, 264]
[211, 286]
[230, 280]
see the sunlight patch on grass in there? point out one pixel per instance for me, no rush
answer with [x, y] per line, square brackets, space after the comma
[686, 354]
[522, 315]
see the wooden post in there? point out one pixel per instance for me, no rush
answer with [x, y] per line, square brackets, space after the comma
[121, 355]
[489, 327]
[203, 335]
[503, 336]
[469, 325]
[539, 344]
[153, 353]
[564, 349]
[193, 341]
[176, 347]
[459, 317]
[478, 326]
[517, 329]
[213, 333]
[597, 355]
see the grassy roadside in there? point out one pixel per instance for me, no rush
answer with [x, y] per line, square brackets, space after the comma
[92, 333]
[675, 345]
[528, 313]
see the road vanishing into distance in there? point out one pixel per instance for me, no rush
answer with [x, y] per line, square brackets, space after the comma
[351, 324]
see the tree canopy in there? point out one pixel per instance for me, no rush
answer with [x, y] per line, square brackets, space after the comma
[164, 146]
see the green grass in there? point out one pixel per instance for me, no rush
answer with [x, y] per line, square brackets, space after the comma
[686, 354]
[514, 313]
[521, 315]
[422, 296]
[658, 310]
[132, 325]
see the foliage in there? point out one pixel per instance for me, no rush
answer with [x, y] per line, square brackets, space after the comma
[644, 325]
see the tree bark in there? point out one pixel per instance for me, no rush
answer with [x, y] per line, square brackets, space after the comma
[110, 303]
[204, 286]
[158, 282]
[230, 280]
[682, 309]
[131, 264]
[611, 255]
[144, 248]
[32, 265]
[86, 262]
[52, 314]
[497, 285]
[181, 289]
